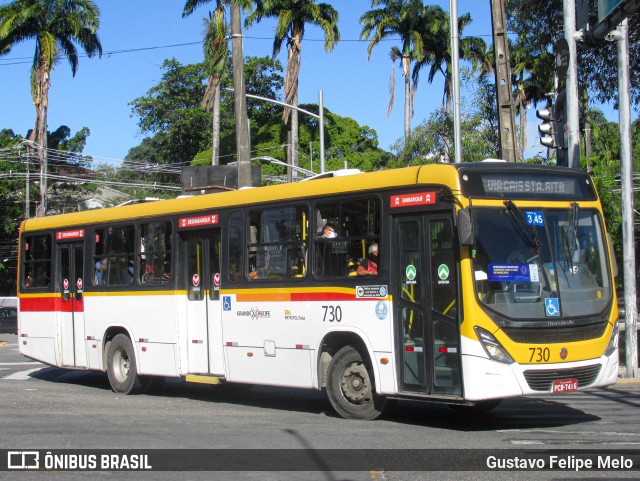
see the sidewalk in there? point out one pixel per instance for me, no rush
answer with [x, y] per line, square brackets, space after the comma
[629, 383]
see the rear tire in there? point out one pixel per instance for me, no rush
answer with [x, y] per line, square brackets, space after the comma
[121, 366]
[350, 386]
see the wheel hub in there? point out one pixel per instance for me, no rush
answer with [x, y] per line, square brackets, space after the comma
[121, 365]
[355, 383]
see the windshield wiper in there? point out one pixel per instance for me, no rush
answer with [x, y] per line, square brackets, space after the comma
[528, 233]
[533, 240]
[570, 244]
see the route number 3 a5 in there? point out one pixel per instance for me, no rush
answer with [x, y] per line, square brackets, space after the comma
[332, 314]
[539, 354]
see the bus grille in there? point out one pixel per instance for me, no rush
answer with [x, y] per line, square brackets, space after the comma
[556, 335]
[543, 380]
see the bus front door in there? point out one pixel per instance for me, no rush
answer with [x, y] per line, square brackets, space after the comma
[70, 286]
[426, 305]
[204, 322]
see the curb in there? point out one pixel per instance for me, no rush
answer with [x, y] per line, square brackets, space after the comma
[630, 380]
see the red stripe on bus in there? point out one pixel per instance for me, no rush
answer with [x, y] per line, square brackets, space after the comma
[49, 304]
[301, 296]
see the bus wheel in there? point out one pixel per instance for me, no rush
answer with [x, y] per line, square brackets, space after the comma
[350, 386]
[121, 366]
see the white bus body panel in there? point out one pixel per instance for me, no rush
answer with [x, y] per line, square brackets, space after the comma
[488, 379]
[150, 322]
[38, 336]
[284, 338]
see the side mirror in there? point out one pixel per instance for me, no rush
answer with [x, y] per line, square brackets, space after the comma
[465, 227]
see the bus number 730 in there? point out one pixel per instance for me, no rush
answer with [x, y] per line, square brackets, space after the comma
[332, 314]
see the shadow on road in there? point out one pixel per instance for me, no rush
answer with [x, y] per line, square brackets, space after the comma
[517, 413]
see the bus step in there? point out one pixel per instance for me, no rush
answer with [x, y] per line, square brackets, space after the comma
[202, 379]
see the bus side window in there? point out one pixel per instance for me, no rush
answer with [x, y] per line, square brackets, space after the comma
[36, 260]
[277, 243]
[356, 224]
[154, 266]
[113, 248]
[235, 256]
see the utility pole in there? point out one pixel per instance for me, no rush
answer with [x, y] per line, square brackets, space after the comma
[506, 120]
[626, 170]
[240, 100]
[455, 53]
[572, 112]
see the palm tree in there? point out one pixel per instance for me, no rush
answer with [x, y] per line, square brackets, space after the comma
[292, 17]
[472, 49]
[56, 26]
[439, 59]
[405, 19]
[216, 52]
[527, 89]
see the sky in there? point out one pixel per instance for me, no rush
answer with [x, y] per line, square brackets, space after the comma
[137, 36]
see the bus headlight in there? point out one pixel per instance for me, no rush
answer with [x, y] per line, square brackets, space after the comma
[613, 340]
[492, 347]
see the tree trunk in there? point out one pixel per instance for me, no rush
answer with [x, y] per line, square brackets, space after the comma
[215, 129]
[41, 83]
[447, 111]
[291, 97]
[295, 141]
[523, 129]
[406, 66]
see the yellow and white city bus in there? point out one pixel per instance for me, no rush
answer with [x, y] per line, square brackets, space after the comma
[492, 280]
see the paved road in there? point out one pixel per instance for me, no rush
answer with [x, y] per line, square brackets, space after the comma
[48, 408]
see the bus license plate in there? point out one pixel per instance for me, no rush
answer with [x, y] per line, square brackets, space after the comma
[565, 385]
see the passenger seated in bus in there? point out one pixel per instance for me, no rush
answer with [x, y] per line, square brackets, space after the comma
[234, 272]
[352, 267]
[330, 259]
[101, 271]
[329, 232]
[369, 266]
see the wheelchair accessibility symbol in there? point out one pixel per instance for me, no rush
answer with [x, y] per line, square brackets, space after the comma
[551, 307]
[226, 303]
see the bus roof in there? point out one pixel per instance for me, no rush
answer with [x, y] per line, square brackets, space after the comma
[435, 174]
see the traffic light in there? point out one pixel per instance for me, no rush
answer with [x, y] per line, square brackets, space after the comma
[559, 113]
[548, 128]
[552, 128]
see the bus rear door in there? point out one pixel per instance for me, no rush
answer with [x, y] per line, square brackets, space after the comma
[426, 304]
[202, 279]
[70, 285]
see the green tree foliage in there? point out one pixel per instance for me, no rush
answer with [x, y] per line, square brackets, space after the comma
[346, 143]
[56, 26]
[67, 163]
[605, 166]
[430, 141]
[176, 99]
[539, 25]
[171, 109]
[600, 67]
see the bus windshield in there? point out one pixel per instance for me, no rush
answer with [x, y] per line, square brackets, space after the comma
[540, 263]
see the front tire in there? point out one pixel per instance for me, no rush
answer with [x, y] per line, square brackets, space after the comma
[350, 386]
[121, 366]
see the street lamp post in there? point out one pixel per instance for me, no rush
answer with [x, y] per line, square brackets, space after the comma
[319, 116]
